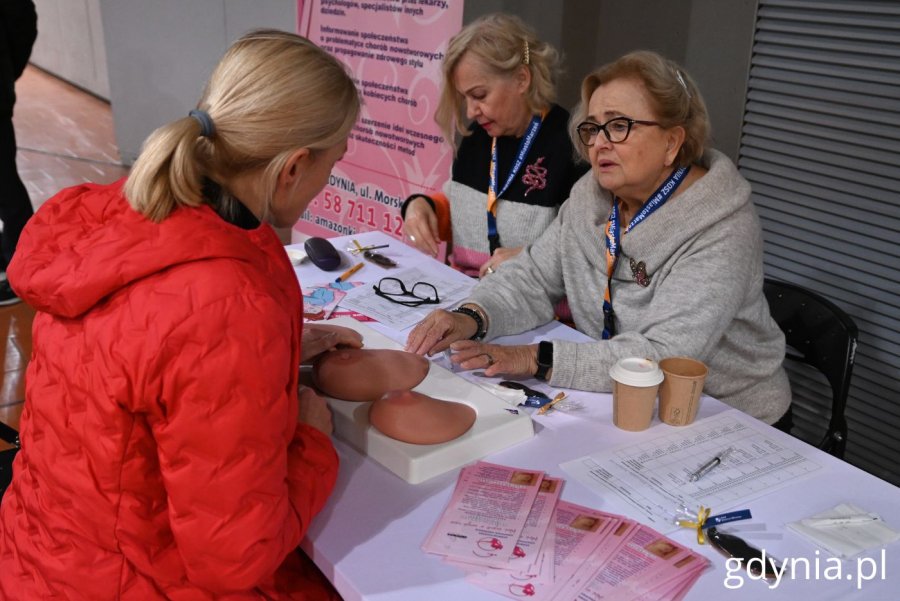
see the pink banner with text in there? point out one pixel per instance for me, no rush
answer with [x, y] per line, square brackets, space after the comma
[394, 50]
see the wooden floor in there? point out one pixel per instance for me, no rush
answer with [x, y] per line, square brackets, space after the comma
[65, 137]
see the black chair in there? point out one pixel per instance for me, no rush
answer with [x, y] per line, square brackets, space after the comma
[9, 435]
[820, 334]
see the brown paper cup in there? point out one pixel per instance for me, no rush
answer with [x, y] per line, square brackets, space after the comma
[679, 393]
[633, 406]
[635, 383]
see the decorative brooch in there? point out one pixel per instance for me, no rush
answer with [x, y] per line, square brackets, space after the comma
[535, 176]
[639, 273]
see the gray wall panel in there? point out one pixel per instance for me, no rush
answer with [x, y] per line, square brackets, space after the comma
[820, 143]
[70, 43]
[162, 52]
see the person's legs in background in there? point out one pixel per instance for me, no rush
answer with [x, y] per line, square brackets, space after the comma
[15, 206]
[18, 31]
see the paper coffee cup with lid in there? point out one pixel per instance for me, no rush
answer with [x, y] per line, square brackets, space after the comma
[635, 384]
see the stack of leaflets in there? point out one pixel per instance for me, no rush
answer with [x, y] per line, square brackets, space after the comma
[513, 535]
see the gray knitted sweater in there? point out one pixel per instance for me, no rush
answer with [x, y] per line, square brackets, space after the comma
[703, 255]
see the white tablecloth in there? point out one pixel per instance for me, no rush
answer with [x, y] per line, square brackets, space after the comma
[367, 539]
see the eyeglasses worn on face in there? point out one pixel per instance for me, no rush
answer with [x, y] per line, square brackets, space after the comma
[394, 290]
[616, 129]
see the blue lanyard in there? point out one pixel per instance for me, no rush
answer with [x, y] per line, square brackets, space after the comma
[613, 238]
[493, 194]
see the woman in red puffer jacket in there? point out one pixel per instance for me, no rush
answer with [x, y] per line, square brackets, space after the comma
[166, 450]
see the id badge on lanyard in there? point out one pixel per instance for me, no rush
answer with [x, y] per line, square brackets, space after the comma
[614, 238]
[493, 194]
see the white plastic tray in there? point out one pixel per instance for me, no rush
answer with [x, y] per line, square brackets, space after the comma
[495, 428]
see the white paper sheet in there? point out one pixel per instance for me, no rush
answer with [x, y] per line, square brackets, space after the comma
[652, 476]
[364, 300]
[847, 540]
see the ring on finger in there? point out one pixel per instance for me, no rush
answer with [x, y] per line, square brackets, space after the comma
[490, 359]
[489, 269]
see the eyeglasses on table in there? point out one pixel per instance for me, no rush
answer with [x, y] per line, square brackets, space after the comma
[394, 290]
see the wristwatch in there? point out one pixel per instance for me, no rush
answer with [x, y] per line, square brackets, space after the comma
[544, 360]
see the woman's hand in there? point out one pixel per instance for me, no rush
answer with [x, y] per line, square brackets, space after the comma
[421, 226]
[438, 330]
[314, 411]
[495, 359]
[321, 338]
[500, 255]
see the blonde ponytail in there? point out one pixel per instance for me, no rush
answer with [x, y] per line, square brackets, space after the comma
[166, 173]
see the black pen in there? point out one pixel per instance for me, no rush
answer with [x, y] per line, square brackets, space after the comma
[706, 467]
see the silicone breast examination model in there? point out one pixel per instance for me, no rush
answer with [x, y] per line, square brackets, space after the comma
[386, 378]
[409, 416]
[367, 374]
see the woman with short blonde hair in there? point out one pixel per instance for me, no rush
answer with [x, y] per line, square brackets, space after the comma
[502, 43]
[497, 110]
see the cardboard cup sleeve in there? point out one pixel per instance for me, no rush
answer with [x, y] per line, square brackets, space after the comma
[679, 393]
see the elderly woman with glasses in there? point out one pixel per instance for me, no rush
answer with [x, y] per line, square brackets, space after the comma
[658, 250]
